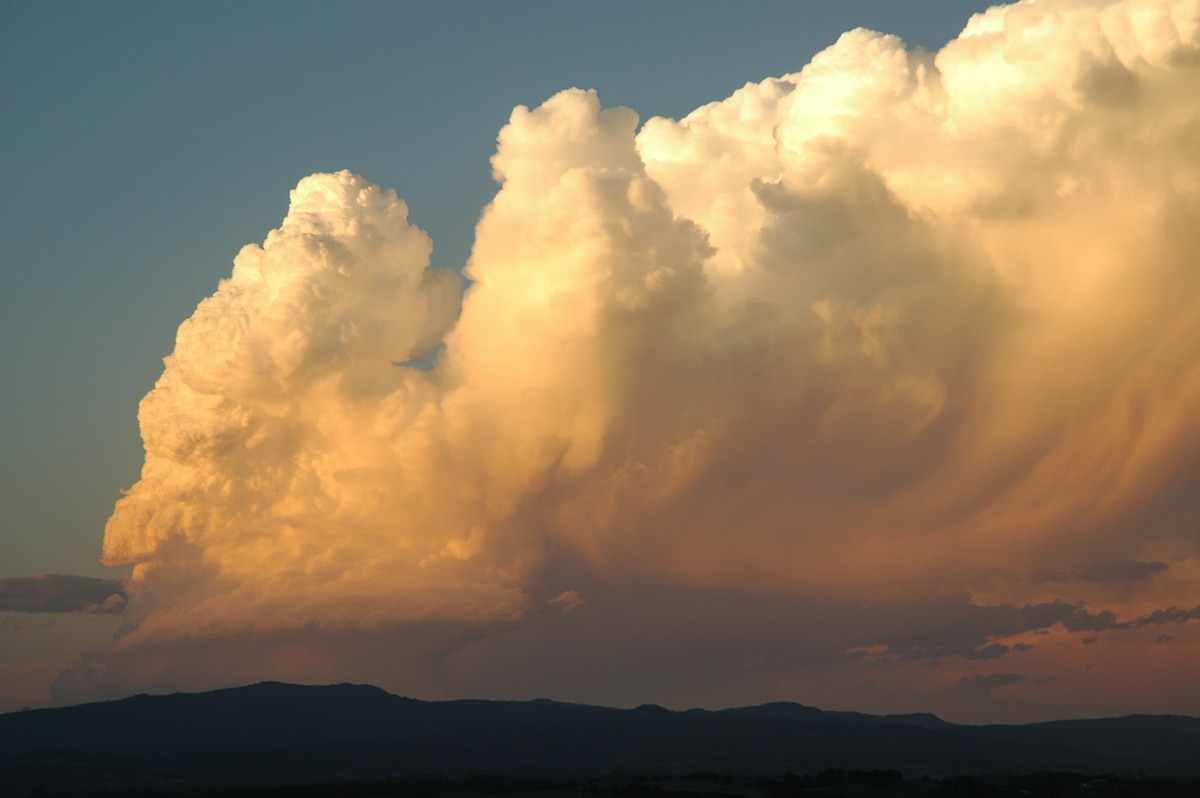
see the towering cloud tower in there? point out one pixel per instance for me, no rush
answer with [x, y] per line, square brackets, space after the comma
[830, 391]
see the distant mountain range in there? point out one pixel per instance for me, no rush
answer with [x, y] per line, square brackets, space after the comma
[274, 733]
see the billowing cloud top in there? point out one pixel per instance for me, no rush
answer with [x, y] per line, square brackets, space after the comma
[886, 363]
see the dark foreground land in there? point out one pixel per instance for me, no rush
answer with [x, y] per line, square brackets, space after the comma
[829, 783]
[280, 740]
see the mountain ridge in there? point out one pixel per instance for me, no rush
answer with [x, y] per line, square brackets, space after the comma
[273, 732]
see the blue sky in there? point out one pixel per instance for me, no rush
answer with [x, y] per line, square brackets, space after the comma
[144, 143]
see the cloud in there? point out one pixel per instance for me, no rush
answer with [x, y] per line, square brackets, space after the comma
[835, 362]
[991, 651]
[61, 593]
[965, 629]
[1169, 615]
[567, 600]
[985, 682]
[1104, 572]
[1081, 620]
[970, 631]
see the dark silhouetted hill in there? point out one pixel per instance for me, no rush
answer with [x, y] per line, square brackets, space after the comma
[275, 733]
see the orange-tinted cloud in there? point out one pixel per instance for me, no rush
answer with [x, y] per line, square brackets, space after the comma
[866, 375]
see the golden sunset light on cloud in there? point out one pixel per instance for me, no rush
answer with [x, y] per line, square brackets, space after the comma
[872, 386]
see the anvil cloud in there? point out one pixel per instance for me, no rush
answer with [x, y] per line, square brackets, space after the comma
[855, 388]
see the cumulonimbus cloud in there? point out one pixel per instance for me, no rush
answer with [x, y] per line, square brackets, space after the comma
[855, 348]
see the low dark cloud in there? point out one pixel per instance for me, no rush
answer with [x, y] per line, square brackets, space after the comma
[971, 632]
[1134, 571]
[990, 681]
[1083, 621]
[993, 651]
[1169, 615]
[61, 593]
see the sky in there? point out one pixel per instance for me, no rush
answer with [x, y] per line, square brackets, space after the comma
[697, 354]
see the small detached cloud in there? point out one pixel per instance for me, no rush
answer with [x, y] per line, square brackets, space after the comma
[1169, 615]
[972, 632]
[993, 651]
[1134, 571]
[61, 593]
[984, 682]
[567, 600]
[1083, 621]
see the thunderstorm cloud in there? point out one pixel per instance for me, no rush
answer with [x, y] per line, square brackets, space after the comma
[830, 391]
